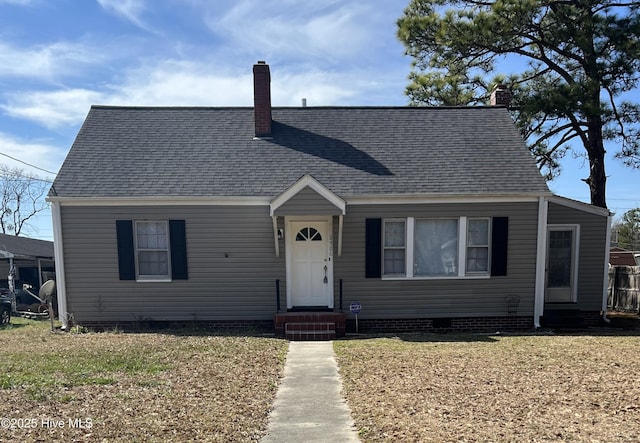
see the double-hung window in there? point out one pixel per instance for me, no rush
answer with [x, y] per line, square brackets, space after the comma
[152, 250]
[478, 245]
[394, 246]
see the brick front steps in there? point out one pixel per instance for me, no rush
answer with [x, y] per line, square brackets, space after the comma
[299, 326]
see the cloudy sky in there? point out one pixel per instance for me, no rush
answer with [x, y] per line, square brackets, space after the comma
[58, 57]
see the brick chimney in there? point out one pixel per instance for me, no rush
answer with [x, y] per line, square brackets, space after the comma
[262, 99]
[501, 96]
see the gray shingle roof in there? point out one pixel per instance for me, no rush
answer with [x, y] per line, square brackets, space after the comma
[153, 152]
[26, 247]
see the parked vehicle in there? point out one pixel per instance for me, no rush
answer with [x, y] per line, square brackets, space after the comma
[27, 301]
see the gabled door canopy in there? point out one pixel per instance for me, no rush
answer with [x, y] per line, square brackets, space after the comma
[307, 181]
[310, 182]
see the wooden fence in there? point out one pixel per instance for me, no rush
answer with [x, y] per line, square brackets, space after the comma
[624, 288]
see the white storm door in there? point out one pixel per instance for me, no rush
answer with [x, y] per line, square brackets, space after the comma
[310, 273]
[562, 250]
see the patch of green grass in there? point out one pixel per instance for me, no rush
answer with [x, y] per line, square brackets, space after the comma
[27, 379]
[21, 369]
[90, 380]
[79, 329]
[39, 393]
[131, 363]
[148, 383]
[68, 398]
[34, 359]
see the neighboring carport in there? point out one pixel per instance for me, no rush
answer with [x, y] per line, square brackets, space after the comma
[31, 260]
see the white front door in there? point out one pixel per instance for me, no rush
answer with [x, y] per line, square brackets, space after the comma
[562, 249]
[309, 264]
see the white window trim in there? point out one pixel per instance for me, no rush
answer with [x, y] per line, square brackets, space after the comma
[412, 241]
[462, 246]
[152, 278]
[575, 257]
[462, 251]
[489, 240]
[409, 228]
[406, 246]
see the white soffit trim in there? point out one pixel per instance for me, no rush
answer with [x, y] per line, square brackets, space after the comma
[304, 182]
[160, 201]
[579, 206]
[399, 199]
[391, 199]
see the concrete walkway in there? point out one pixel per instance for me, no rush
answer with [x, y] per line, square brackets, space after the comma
[309, 406]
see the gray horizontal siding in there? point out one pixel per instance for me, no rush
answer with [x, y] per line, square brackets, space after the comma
[307, 202]
[593, 229]
[440, 297]
[231, 258]
[233, 267]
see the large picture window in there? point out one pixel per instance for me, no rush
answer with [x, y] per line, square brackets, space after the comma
[152, 249]
[437, 248]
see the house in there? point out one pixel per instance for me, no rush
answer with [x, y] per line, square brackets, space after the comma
[30, 259]
[430, 218]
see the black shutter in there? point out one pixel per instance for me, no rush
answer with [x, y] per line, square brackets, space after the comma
[499, 245]
[126, 253]
[373, 248]
[178, 239]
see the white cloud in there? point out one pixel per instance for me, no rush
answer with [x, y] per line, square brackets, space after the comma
[328, 29]
[52, 109]
[169, 83]
[189, 83]
[318, 87]
[324, 51]
[36, 153]
[183, 83]
[174, 83]
[46, 61]
[130, 10]
[17, 2]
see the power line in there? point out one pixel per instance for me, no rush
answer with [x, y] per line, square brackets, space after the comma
[28, 164]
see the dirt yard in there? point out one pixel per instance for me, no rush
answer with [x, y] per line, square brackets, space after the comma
[180, 386]
[442, 388]
[190, 386]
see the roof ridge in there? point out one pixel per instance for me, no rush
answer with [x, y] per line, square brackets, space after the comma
[301, 108]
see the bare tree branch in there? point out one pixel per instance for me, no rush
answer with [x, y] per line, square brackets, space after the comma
[21, 198]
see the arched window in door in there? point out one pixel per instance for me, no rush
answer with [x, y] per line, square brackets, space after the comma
[308, 234]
